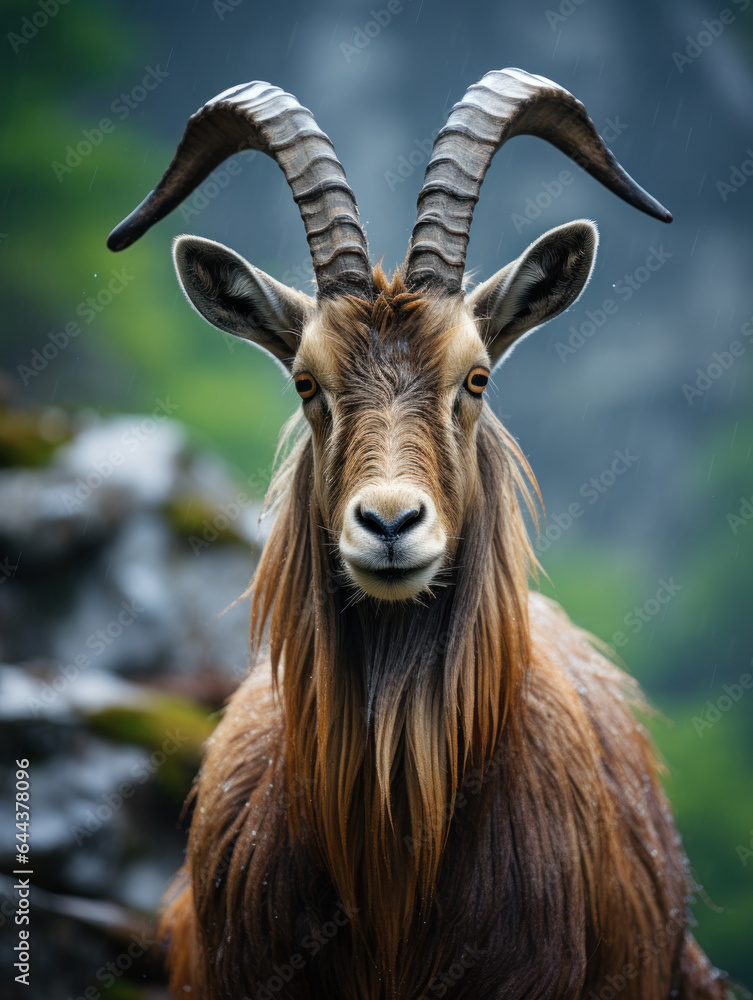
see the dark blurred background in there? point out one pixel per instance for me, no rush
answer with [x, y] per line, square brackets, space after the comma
[136, 442]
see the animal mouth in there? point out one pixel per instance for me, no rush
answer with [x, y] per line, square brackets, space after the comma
[393, 573]
[393, 582]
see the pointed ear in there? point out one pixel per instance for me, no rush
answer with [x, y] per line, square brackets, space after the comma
[536, 287]
[238, 298]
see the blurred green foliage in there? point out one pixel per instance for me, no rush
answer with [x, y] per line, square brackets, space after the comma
[145, 344]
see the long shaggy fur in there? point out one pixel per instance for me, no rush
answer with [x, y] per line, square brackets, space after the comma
[455, 788]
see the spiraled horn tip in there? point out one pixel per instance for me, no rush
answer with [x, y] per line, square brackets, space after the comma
[657, 210]
[116, 240]
[143, 217]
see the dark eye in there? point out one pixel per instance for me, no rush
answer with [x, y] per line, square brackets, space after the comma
[478, 379]
[305, 385]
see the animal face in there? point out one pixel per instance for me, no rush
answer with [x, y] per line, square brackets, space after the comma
[392, 385]
[393, 394]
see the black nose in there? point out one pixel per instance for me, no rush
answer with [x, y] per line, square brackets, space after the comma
[389, 530]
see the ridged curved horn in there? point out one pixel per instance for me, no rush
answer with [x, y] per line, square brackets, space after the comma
[259, 116]
[502, 104]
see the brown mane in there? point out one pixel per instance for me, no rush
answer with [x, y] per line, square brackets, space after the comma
[379, 726]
